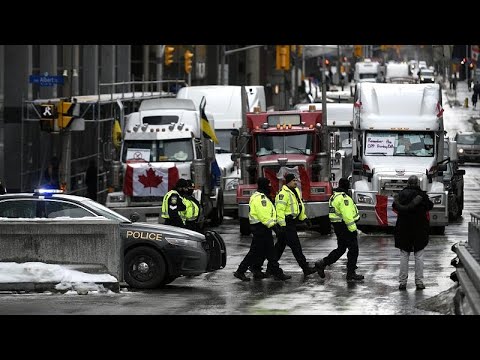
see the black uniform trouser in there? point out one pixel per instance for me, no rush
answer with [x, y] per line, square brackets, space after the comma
[175, 222]
[191, 225]
[345, 240]
[260, 248]
[290, 238]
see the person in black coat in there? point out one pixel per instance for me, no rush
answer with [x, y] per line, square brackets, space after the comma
[412, 228]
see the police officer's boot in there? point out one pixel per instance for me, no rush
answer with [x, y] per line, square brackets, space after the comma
[241, 276]
[353, 276]
[308, 270]
[282, 276]
[320, 265]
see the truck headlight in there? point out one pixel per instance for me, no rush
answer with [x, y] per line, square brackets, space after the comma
[117, 198]
[232, 185]
[183, 242]
[460, 151]
[436, 199]
[364, 199]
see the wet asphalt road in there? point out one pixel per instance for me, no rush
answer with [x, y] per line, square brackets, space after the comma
[221, 293]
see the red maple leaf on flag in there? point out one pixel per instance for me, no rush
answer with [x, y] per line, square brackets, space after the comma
[151, 180]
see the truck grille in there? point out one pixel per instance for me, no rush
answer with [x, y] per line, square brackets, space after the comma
[391, 187]
[150, 200]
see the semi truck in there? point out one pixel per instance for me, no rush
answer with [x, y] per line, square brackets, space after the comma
[272, 144]
[366, 71]
[163, 142]
[398, 131]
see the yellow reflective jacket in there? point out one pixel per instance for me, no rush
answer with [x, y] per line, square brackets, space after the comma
[342, 208]
[262, 210]
[165, 214]
[286, 204]
[191, 214]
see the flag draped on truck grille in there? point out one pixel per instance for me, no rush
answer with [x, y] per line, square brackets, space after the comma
[207, 129]
[384, 212]
[143, 179]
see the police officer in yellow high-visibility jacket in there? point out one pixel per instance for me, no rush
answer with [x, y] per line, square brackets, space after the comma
[192, 208]
[343, 214]
[173, 207]
[263, 219]
[290, 211]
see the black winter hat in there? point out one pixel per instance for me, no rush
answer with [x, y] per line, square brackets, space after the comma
[181, 183]
[344, 183]
[289, 177]
[262, 183]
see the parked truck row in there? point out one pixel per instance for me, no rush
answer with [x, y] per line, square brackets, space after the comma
[390, 132]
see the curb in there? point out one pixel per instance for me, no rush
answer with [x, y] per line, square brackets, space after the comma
[50, 286]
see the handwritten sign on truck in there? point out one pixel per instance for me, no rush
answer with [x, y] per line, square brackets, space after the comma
[380, 145]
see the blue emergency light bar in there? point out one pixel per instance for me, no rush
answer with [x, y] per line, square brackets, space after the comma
[48, 191]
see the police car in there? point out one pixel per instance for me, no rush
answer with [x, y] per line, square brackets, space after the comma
[155, 254]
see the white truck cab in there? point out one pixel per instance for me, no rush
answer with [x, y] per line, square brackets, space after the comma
[366, 71]
[398, 131]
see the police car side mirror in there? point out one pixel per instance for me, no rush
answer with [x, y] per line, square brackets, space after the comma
[134, 217]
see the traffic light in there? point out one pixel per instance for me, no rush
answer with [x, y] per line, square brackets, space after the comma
[169, 50]
[65, 114]
[357, 50]
[188, 56]
[47, 119]
[282, 57]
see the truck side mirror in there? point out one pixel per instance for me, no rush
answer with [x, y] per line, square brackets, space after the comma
[235, 132]
[354, 147]
[442, 167]
[461, 172]
[452, 150]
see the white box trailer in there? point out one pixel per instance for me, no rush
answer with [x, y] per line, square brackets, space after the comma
[398, 131]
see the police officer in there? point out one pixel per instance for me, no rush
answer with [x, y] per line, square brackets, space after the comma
[173, 207]
[343, 214]
[290, 211]
[192, 207]
[262, 217]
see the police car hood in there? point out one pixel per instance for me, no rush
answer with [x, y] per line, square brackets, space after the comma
[409, 164]
[166, 230]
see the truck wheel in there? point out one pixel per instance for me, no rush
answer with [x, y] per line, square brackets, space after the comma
[144, 268]
[244, 226]
[217, 213]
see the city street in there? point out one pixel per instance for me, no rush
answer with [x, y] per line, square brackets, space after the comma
[220, 293]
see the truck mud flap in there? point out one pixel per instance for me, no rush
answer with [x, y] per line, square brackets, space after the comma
[216, 250]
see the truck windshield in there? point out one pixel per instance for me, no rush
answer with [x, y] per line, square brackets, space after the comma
[157, 150]
[419, 144]
[223, 136]
[367, 75]
[284, 144]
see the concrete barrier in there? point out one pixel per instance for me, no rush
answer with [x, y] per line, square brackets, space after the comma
[91, 244]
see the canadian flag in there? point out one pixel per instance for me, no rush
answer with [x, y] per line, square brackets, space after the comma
[384, 212]
[143, 179]
[439, 109]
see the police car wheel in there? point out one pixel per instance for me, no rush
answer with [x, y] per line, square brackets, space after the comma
[144, 268]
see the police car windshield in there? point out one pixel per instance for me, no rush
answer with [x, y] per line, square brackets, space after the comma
[104, 211]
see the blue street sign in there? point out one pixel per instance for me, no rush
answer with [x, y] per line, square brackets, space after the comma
[46, 80]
